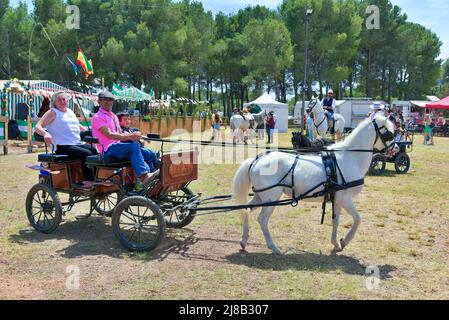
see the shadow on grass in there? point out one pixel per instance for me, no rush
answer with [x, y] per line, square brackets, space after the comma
[306, 261]
[388, 173]
[94, 237]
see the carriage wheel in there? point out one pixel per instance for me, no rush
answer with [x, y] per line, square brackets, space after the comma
[44, 209]
[402, 163]
[138, 223]
[105, 205]
[179, 218]
[378, 165]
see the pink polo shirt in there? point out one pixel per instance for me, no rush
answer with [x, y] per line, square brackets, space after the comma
[104, 118]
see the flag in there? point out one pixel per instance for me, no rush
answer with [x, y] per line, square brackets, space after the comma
[84, 63]
[74, 66]
[152, 92]
[116, 89]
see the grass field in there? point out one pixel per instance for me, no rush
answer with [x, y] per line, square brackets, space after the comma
[404, 233]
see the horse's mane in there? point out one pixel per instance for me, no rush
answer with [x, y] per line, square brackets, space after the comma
[350, 139]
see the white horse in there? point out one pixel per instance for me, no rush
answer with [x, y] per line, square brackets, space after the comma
[309, 171]
[241, 127]
[321, 121]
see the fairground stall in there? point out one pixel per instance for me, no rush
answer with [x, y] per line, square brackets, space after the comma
[23, 102]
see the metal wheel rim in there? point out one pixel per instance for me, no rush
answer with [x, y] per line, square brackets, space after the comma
[100, 204]
[43, 207]
[176, 200]
[134, 220]
[402, 163]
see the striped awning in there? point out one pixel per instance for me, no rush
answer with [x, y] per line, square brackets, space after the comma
[41, 89]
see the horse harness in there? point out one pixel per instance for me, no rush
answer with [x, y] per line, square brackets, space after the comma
[332, 170]
[331, 185]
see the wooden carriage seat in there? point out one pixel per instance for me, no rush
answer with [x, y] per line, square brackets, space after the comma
[49, 157]
[102, 161]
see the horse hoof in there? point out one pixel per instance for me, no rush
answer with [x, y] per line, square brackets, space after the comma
[337, 250]
[343, 244]
[277, 252]
[243, 245]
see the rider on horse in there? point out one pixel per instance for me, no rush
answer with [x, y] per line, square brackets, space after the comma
[329, 104]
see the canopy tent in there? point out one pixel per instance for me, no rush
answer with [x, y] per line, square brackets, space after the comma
[268, 103]
[442, 104]
[35, 92]
[132, 94]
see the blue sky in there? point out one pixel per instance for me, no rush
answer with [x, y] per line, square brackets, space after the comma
[433, 14]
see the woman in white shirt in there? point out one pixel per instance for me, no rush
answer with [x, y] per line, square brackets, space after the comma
[63, 132]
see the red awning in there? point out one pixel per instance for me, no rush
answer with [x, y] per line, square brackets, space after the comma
[442, 104]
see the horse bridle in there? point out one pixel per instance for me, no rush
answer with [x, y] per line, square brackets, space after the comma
[384, 137]
[314, 105]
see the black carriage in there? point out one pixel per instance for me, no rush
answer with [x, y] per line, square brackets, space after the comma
[400, 159]
[139, 217]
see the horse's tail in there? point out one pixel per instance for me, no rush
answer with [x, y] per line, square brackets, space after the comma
[242, 183]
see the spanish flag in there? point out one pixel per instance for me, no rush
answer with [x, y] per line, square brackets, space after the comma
[84, 63]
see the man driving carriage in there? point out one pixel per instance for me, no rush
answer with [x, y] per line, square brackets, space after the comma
[329, 105]
[112, 141]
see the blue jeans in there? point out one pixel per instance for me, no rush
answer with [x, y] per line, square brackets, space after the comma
[137, 155]
[150, 158]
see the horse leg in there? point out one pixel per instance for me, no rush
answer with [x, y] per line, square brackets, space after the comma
[263, 219]
[349, 206]
[236, 136]
[245, 236]
[335, 224]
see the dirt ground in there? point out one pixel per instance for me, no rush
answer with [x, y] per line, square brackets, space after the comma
[404, 235]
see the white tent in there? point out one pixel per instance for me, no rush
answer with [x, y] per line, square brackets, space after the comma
[267, 103]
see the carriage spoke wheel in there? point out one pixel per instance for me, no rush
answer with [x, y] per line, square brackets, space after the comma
[181, 217]
[138, 223]
[105, 205]
[44, 209]
[378, 165]
[402, 163]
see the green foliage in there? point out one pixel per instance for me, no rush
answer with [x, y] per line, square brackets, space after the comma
[160, 115]
[180, 50]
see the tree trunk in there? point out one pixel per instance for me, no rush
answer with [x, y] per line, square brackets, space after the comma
[242, 94]
[199, 88]
[193, 88]
[368, 75]
[190, 87]
[295, 88]
[384, 81]
[223, 97]
[284, 88]
[351, 86]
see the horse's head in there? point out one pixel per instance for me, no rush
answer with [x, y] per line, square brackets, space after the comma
[299, 141]
[315, 105]
[384, 134]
